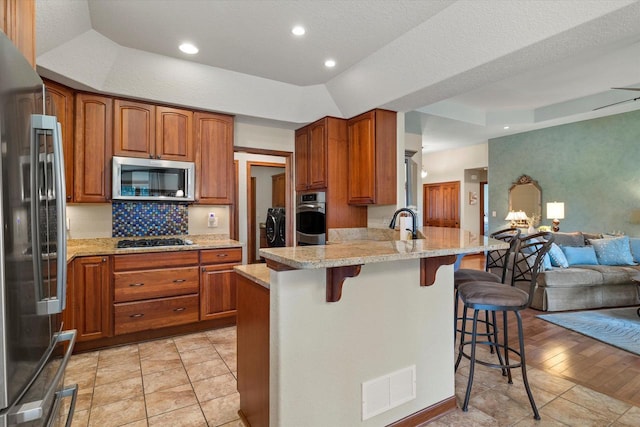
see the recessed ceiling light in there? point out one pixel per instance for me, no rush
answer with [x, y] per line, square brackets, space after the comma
[329, 63]
[505, 128]
[188, 48]
[298, 30]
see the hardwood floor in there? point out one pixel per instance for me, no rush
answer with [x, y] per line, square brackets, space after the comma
[573, 356]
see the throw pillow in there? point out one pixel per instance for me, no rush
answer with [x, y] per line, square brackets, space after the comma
[613, 251]
[584, 255]
[557, 256]
[575, 238]
[546, 262]
[634, 242]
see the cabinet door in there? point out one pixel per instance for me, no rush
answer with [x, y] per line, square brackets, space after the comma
[278, 190]
[217, 291]
[92, 297]
[214, 137]
[317, 156]
[18, 22]
[302, 158]
[362, 157]
[61, 98]
[134, 129]
[174, 134]
[92, 148]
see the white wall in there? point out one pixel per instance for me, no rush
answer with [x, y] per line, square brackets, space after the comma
[444, 166]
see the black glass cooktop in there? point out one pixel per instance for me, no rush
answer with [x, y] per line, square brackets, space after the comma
[145, 243]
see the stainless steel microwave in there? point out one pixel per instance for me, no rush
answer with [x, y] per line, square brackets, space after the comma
[153, 180]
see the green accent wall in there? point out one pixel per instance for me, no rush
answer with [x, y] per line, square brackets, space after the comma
[592, 166]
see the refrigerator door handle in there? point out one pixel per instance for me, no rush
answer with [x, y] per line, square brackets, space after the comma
[31, 411]
[61, 200]
[50, 305]
[69, 391]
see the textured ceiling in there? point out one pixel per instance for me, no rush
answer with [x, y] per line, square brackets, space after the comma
[462, 70]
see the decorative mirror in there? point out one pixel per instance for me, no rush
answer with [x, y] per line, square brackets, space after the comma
[525, 195]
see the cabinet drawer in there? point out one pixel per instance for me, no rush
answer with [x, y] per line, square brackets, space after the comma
[156, 314]
[138, 285]
[150, 261]
[220, 256]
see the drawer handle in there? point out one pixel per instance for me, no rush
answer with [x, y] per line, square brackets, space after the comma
[137, 315]
[179, 280]
[222, 255]
[136, 284]
[177, 310]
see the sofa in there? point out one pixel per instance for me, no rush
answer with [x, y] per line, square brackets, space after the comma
[587, 282]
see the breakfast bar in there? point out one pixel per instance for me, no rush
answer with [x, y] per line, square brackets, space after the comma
[358, 332]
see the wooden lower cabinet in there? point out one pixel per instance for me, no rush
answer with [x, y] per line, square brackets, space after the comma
[253, 351]
[155, 314]
[92, 297]
[218, 283]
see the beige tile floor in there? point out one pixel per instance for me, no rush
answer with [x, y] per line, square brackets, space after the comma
[191, 381]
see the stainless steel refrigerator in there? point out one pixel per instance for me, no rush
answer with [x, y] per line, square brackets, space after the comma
[34, 347]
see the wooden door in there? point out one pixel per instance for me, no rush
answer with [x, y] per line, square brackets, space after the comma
[302, 159]
[134, 129]
[278, 190]
[317, 156]
[61, 98]
[92, 148]
[92, 297]
[216, 175]
[174, 134]
[217, 291]
[442, 204]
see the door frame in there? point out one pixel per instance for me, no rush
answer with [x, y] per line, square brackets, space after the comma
[481, 201]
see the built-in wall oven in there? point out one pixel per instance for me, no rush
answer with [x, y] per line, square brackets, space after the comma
[311, 219]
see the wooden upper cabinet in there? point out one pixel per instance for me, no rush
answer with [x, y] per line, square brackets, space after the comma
[302, 158]
[311, 156]
[61, 99]
[18, 22]
[174, 134]
[134, 129]
[372, 158]
[92, 148]
[318, 155]
[215, 168]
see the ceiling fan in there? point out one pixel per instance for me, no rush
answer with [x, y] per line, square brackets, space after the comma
[621, 102]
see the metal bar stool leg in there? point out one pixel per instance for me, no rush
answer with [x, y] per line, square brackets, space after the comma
[495, 340]
[461, 343]
[472, 361]
[523, 366]
[506, 346]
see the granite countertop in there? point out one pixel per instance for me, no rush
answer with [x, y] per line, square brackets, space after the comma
[107, 245]
[380, 247]
[258, 273]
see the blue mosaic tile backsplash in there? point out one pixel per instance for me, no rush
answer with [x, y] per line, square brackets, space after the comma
[149, 219]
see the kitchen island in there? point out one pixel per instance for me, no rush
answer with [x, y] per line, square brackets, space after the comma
[356, 333]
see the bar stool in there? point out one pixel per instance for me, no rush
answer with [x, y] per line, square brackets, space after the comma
[495, 297]
[496, 259]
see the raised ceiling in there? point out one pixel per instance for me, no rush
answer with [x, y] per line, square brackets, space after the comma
[461, 70]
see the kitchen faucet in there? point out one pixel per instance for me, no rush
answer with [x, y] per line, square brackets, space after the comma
[414, 220]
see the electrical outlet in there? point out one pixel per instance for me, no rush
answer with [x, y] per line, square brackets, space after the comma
[212, 220]
[68, 223]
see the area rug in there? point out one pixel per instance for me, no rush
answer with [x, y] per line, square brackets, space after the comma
[619, 327]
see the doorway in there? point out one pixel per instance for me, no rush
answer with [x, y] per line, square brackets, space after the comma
[266, 188]
[484, 208]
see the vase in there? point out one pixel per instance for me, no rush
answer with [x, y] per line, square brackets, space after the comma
[531, 230]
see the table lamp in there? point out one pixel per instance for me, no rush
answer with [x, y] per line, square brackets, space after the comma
[517, 218]
[555, 211]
